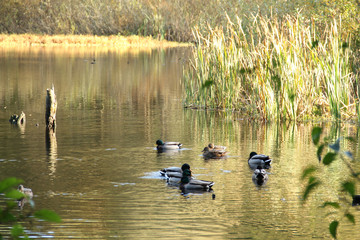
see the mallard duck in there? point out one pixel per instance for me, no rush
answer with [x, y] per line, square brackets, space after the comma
[260, 176]
[261, 160]
[26, 191]
[213, 153]
[162, 146]
[28, 195]
[187, 182]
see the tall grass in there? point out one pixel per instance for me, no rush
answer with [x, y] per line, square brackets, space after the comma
[162, 19]
[276, 68]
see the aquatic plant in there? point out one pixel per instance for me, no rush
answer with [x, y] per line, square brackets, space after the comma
[276, 68]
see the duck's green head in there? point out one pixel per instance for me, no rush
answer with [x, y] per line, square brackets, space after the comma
[159, 142]
[185, 166]
[186, 176]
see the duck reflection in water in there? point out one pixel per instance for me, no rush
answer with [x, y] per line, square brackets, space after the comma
[186, 182]
[260, 176]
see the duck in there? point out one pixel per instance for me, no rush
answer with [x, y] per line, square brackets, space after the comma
[260, 176]
[28, 194]
[162, 146]
[187, 182]
[213, 152]
[261, 160]
[211, 146]
[26, 191]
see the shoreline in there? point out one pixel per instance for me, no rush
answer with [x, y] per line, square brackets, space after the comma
[115, 41]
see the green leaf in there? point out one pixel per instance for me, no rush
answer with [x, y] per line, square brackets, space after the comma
[350, 139]
[350, 217]
[14, 194]
[349, 187]
[319, 151]
[8, 183]
[6, 216]
[315, 134]
[17, 231]
[333, 204]
[335, 146]
[310, 187]
[333, 228]
[207, 84]
[329, 158]
[47, 215]
[314, 44]
[307, 171]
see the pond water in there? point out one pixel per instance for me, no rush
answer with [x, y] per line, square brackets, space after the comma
[100, 171]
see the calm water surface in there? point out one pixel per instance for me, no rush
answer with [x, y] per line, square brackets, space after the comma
[100, 172]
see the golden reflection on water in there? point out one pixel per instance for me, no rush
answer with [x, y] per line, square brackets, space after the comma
[93, 172]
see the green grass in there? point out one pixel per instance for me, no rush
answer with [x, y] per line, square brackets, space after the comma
[275, 69]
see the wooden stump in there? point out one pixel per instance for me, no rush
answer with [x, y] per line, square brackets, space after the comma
[51, 106]
[19, 120]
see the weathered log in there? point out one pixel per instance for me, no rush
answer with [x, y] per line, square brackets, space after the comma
[19, 120]
[51, 106]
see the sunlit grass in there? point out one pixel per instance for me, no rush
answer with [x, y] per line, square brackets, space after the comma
[10, 40]
[275, 69]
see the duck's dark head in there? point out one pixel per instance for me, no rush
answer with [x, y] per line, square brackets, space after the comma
[206, 149]
[252, 154]
[159, 142]
[185, 166]
[356, 200]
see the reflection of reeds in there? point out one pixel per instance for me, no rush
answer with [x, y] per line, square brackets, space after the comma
[83, 40]
[276, 69]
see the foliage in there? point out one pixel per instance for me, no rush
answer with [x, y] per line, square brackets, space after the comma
[277, 68]
[347, 186]
[171, 20]
[9, 215]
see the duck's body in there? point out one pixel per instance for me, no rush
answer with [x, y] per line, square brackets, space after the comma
[187, 182]
[174, 172]
[196, 184]
[211, 146]
[260, 176]
[214, 153]
[255, 160]
[170, 170]
[163, 146]
[26, 191]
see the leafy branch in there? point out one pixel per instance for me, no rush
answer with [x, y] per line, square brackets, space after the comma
[348, 186]
[7, 216]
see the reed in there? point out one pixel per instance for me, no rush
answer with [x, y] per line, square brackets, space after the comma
[275, 69]
[171, 20]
